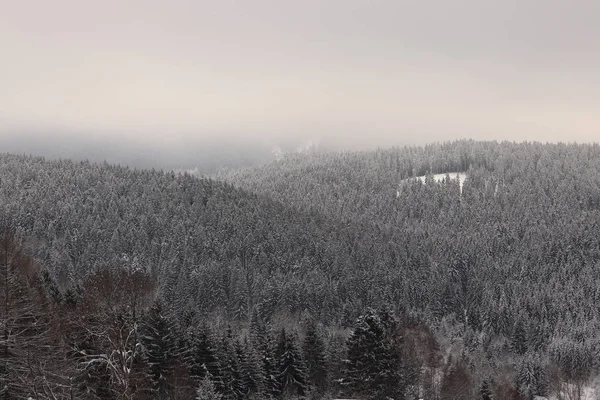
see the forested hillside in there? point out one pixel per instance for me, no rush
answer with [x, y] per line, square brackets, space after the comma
[516, 256]
[519, 244]
[317, 275]
[212, 247]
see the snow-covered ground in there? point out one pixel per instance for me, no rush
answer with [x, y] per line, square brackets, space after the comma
[460, 176]
[569, 392]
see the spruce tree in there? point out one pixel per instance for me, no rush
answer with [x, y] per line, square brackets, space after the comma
[374, 357]
[314, 356]
[292, 370]
[519, 338]
[251, 370]
[230, 368]
[207, 390]
[203, 359]
[485, 392]
[160, 346]
[263, 342]
[532, 378]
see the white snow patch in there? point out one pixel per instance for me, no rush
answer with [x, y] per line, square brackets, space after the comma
[570, 392]
[460, 176]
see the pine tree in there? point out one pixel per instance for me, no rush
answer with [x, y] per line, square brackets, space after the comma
[272, 385]
[51, 286]
[336, 356]
[314, 356]
[485, 392]
[519, 338]
[203, 358]
[262, 340]
[207, 390]
[251, 370]
[292, 370]
[532, 376]
[374, 357]
[161, 352]
[230, 368]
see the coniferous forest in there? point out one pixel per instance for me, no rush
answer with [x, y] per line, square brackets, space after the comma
[319, 276]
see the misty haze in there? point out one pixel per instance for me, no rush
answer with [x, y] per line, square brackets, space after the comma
[335, 199]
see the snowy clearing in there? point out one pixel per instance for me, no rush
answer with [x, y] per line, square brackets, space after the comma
[460, 176]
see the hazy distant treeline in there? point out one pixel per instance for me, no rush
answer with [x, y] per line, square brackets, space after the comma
[204, 155]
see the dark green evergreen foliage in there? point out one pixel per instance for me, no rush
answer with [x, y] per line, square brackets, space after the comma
[270, 369]
[337, 354]
[576, 361]
[51, 287]
[161, 350]
[321, 232]
[204, 355]
[519, 342]
[207, 390]
[264, 343]
[509, 263]
[70, 297]
[281, 344]
[314, 353]
[532, 376]
[189, 232]
[253, 378]
[485, 391]
[526, 216]
[292, 370]
[231, 371]
[375, 367]
[539, 335]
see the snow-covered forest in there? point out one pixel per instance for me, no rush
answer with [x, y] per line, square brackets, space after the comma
[321, 275]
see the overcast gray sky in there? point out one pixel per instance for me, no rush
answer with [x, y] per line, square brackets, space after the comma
[355, 72]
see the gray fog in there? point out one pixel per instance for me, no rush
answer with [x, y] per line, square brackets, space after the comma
[101, 78]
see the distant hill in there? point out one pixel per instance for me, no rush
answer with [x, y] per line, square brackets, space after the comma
[203, 155]
[192, 233]
[520, 243]
[206, 156]
[499, 281]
